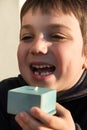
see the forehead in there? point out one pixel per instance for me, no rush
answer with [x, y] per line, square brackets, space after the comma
[37, 19]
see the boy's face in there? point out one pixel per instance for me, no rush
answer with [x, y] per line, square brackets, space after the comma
[50, 52]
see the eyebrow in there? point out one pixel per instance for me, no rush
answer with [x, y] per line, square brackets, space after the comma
[50, 26]
[58, 26]
[27, 27]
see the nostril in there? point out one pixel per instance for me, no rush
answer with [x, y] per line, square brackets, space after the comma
[38, 51]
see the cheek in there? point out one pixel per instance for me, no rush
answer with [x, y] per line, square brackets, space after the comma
[22, 54]
[22, 51]
[62, 54]
[64, 58]
[19, 53]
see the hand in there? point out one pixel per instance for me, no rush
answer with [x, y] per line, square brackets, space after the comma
[39, 120]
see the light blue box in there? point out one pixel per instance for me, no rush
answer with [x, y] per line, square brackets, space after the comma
[25, 97]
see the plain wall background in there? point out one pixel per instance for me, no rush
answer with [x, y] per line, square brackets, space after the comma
[9, 38]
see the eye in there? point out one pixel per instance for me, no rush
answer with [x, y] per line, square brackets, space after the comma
[57, 37]
[27, 38]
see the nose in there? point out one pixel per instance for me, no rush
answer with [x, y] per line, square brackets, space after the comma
[39, 47]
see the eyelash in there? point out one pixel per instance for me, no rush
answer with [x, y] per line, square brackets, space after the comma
[50, 37]
[27, 38]
[58, 36]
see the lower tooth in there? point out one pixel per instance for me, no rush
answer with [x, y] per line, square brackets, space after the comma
[36, 73]
[42, 74]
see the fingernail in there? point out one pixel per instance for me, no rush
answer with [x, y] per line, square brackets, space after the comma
[22, 114]
[32, 110]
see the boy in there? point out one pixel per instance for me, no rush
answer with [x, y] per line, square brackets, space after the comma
[52, 53]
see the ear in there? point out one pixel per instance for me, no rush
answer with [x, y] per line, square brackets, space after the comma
[85, 62]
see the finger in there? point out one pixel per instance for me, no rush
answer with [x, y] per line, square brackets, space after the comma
[26, 121]
[29, 123]
[60, 110]
[20, 121]
[59, 122]
[65, 115]
[48, 120]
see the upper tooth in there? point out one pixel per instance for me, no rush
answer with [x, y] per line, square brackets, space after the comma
[48, 66]
[36, 66]
[41, 66]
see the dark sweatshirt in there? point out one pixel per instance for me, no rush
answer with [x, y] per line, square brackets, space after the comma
[75, 100]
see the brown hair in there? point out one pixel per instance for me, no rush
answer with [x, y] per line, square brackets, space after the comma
[77, 7]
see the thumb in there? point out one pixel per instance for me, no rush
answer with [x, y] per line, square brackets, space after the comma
[61, 111]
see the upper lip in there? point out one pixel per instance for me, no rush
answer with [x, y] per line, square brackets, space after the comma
[41, 64]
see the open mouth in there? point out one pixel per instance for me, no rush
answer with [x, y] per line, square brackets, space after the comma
[42, 69]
